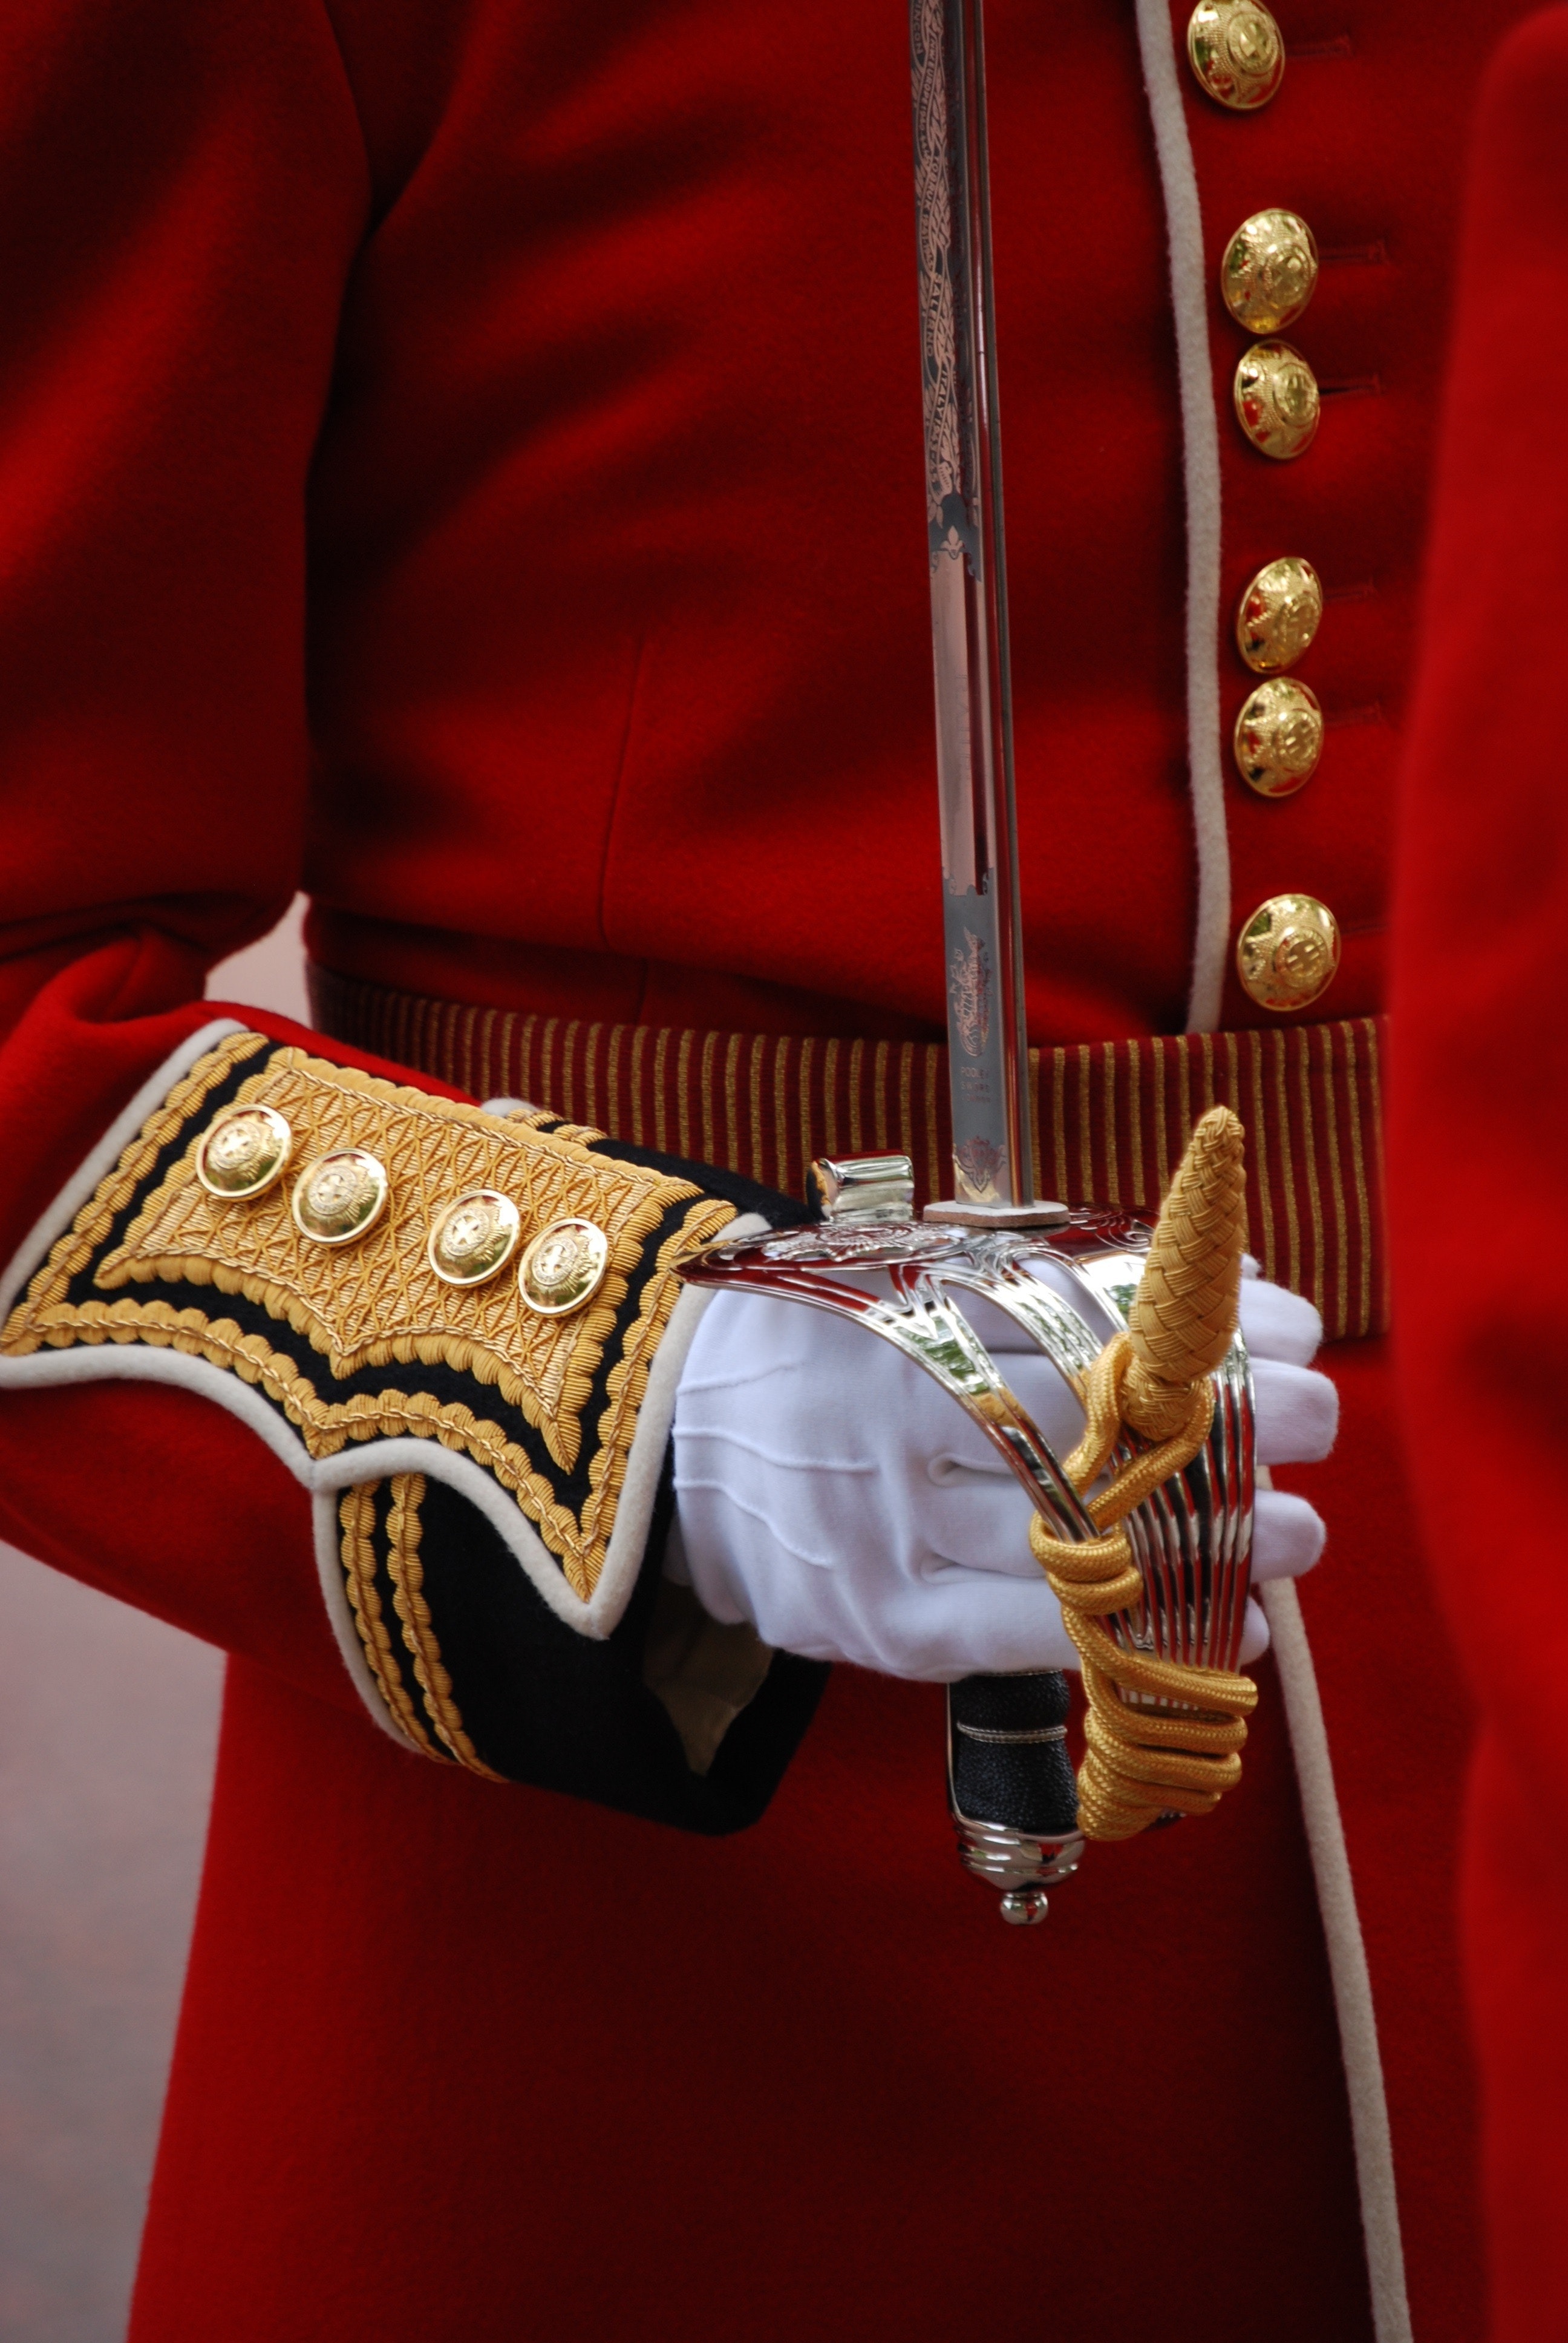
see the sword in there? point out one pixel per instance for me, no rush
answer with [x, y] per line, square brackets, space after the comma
[1007, 1770]
[1010, 1785]
[987, 1038]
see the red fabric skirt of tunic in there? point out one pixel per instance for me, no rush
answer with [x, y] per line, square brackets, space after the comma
[479, 2061]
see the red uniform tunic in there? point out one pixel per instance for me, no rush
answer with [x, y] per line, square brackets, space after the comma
[468, 461]
[1480, 1137]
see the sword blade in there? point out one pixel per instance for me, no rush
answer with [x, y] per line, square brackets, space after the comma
[999, 1812]
[987, 1041]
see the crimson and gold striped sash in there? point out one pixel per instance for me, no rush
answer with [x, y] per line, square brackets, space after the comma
[1112, 1118]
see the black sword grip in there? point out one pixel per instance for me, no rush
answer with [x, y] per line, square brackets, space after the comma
[1025, 1783]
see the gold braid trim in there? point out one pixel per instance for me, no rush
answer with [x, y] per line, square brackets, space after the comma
[377, 1305]
[356, 1517]
[1140, 1761]
[326, 1427]
[307, 1089]
[407, 1572]
[626, 1383]
[539, 1118]
[70, 1254]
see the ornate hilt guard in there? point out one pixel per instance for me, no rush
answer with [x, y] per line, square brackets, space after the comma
[1010, 1788]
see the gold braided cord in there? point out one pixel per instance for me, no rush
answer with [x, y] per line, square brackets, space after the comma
[407, 1572]
[1139, 1761]
[356, 1518]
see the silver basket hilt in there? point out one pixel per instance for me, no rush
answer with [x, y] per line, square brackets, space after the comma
[869, 1261]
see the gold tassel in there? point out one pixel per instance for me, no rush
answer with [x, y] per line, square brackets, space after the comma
[1143, 1761]
[1183, 1316]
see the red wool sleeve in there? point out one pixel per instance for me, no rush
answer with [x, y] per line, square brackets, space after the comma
[1480, 1135]
[182, 187]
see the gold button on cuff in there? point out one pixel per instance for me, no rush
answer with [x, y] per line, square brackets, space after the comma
[1270, 271]
[1288, 952]
[563, 1267]
[1277, 400]
[340, 1196]
[1279, 738]
[1279, 615]
[474, 1238]
[242, 1153]
[1237, 51]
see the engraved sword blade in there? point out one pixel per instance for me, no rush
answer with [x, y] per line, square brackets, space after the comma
[987, 1043]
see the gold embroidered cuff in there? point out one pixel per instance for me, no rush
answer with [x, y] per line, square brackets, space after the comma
[378, 1263]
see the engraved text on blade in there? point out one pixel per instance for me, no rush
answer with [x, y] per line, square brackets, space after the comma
[940, 259]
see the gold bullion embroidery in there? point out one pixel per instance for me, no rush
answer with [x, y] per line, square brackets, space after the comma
[92, 1224]
[407, 1572]
[357, 1520]
[379, 1302]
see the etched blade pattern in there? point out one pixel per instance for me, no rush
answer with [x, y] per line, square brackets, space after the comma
[991, 1150]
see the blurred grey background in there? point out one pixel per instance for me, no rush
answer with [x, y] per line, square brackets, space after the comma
[108, 1720]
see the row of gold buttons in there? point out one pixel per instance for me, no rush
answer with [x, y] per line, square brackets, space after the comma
[1269, 273]
[339, 1197]
[1288, 951]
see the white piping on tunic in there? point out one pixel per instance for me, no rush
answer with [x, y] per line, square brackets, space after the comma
[1348, 1967]
[1201, 470]
[1347, 1963]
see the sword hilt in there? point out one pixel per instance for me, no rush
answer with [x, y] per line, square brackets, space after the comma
[1010, 1786]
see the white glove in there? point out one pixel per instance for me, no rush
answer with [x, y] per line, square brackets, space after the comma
[833, 1496]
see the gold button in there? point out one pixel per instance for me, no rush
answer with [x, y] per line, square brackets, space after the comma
[563, 1268]
[1237, 52]
[1270, 271]
[1278, 614]
[1287, 953]
[242, 1153]
[474, 1238]
[1277, 401]
[340, 1196]
[1279, 738]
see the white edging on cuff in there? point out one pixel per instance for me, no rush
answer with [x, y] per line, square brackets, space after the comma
[1190, 295]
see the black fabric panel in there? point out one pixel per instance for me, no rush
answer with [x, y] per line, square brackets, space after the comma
[546, 1705]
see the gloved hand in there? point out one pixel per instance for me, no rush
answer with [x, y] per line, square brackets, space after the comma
[832, 1496]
